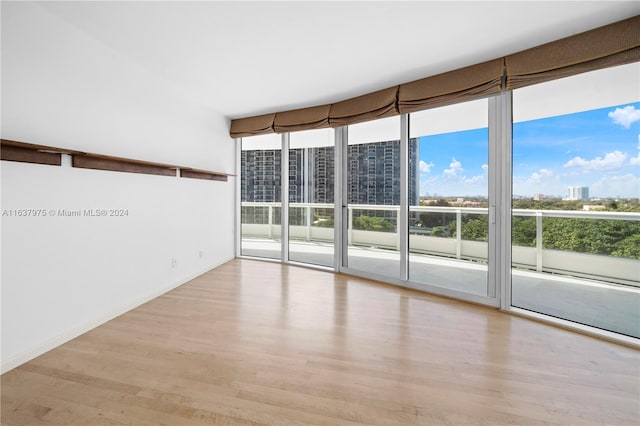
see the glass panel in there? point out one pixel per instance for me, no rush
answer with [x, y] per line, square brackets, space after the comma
[576, 208]
[311, 196]
[448, 215]
[373, 194]
[261, 196]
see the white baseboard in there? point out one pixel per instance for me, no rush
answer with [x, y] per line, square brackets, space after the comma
[52, 343]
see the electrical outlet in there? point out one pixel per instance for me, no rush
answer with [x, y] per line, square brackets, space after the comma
[201, 254]
[174, 263]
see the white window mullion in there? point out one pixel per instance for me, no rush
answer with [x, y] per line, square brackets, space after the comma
[403, 214]
[338, 178]
[500, 135]
[238, 199]
[284, 210]
[495, 174]
[342, 203]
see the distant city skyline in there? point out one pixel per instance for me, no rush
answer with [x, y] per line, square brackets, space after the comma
[598, 148]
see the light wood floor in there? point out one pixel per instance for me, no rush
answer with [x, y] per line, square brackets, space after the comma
[261, 343]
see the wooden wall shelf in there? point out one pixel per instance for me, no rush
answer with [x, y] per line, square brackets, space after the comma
[202, 174]
[49, 155]
[25, 155]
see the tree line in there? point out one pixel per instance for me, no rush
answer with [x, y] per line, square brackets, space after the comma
[618, 238]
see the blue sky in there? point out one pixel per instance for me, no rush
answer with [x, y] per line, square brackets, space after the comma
[597, 148]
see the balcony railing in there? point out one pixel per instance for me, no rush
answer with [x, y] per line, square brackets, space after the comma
[594, 266]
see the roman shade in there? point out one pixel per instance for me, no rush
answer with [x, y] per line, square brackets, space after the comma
[372, 106]
[463, 84]
[607, 46]
[302, 119]
[252, 126]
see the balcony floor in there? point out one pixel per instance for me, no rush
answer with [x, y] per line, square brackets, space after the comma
[607, 306]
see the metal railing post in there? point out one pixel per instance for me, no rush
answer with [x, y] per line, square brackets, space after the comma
[308, 214]
[458, 233]
[398, 229]
[539, 241]
[350, 220]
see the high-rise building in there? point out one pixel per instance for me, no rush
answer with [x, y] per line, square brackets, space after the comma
[321, 184]
[578, 193]
[373, 175]
[260, 177]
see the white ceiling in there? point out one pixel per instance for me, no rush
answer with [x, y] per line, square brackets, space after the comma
[246, 58]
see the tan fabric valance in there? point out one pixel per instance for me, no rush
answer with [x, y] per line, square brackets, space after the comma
[302, 119]
[454, 86]
[252, 126]
[374, 105]
[607, 46]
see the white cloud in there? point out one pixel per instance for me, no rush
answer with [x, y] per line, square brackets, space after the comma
[611, 161]
[538, 176]
[625, 116]
[425, 167]
[626, 186]
[576, 162]
[478, 178]
[635, 161]
[455, 167]
[453, 181]
[473, 180]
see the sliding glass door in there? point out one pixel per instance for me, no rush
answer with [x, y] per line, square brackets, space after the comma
[261, 196]
[449, 197]
[576, 208]
[373, 193]
[311, 197]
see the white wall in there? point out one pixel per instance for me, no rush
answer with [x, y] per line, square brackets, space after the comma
[62, 276]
